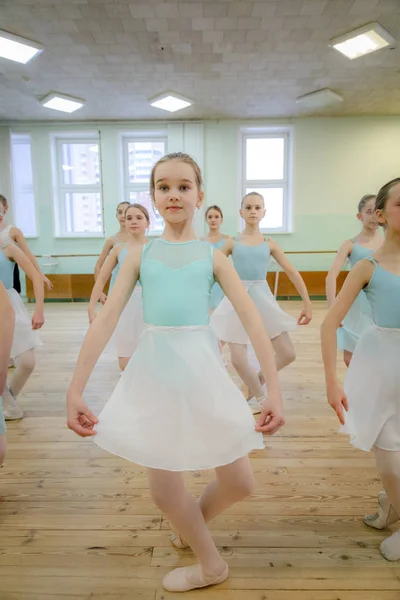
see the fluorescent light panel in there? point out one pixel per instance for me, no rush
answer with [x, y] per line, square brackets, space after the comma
[61, 102]
[320, 98]
[18, 49]
[362, 41]
[170, 101]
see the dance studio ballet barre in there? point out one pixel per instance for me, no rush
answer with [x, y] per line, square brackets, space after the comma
[52, 261]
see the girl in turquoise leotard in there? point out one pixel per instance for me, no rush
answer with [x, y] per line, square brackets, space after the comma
[130, 324]
[363, 245]
[368, 407]
[214, 219]
[251, 253]
[115, 240]
[175, 407]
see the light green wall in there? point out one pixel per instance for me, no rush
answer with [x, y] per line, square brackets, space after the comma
[335, 162]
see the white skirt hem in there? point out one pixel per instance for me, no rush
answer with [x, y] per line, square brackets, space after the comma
[228, 327]
[203, 467]
[372, 387]
[355, 323]
[24, 338]
[175, 406]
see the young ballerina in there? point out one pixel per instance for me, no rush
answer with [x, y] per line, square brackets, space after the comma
[251, 253]
[6, 337]
[359, 317]
[214, 219]
[370, 398]
[115, 240]
[9, 233]
[175, 407]
[130, 325]
[25, 338]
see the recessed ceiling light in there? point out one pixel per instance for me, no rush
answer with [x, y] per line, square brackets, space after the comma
[170, 101]
[17, 48]
[62, 102]
[320, 98]
[363, 40]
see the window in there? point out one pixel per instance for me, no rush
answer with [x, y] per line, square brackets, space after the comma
[78, 207]
[140, 154]
[266, 169]
[23, 200]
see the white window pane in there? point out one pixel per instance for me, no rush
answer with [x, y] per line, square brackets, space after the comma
[23, 197]
[273, 200]
[144, 198]
[82, 212]
[80, 163]
[265, 158]
[141, 158]
[22, 164]
[24, 212]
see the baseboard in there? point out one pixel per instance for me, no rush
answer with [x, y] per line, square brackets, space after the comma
[78, 287]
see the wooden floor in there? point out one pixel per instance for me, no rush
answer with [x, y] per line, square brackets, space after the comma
[77, 523]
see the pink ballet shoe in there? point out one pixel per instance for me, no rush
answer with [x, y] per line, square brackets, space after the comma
[178, 542]
[390, 548]
[11, 408]
[185, 579]
[385, 516]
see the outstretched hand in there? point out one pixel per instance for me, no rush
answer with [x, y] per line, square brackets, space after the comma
[271, 418]
[305, 315]
[80, 418]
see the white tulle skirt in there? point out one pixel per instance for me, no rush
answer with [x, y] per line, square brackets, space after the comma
[175, 406]
[130, 325]
[228, 327]
[24, 337]
[372, 387]
[357, 320]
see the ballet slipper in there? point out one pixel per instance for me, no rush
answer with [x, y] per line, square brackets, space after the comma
[390, 548]
[11, 409]
[385, 516]
[178, 542]
[185, 579]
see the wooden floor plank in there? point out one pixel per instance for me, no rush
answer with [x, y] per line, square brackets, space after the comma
[77, 523]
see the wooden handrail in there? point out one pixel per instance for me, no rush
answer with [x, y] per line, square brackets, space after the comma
[96, 255]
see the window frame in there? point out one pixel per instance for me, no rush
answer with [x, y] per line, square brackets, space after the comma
[61, 188]
[285, 132]
[15, 139]
[145, 137]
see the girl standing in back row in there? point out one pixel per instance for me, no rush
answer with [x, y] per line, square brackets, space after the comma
[122, 237]
[214, 219]
[130, 324]
[251, 254]
[359, 317]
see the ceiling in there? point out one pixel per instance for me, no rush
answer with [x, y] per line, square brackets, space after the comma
[235, 59]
